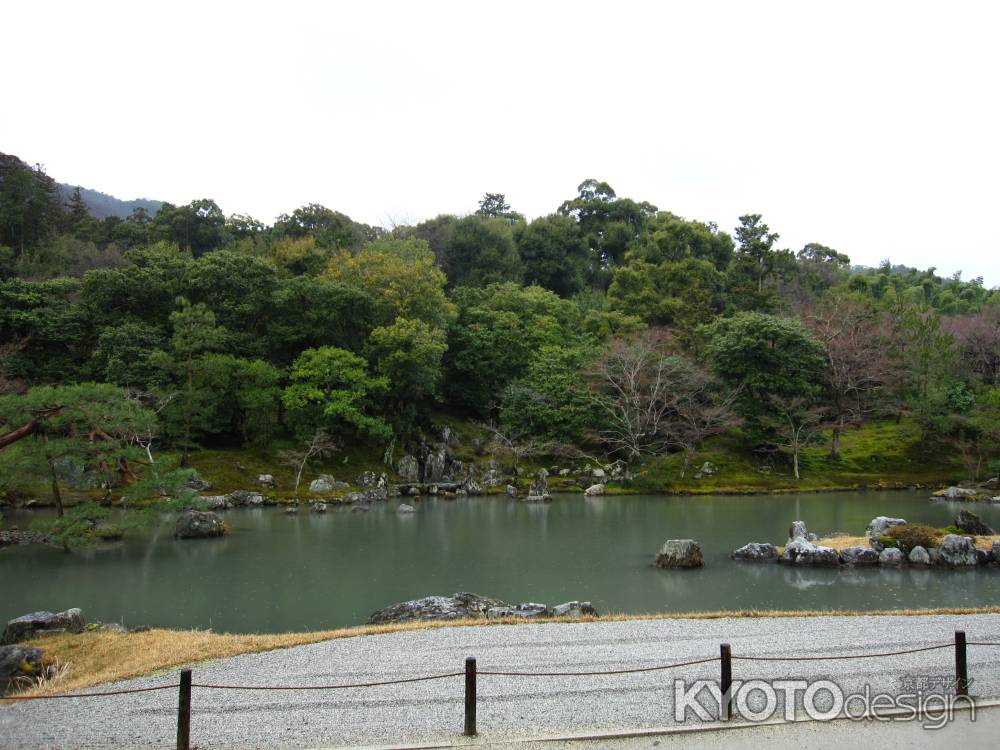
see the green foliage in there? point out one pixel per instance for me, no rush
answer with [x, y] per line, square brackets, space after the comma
[482, 251]
[768, 357]
[400, 277]
[498, 332]
[331, 389]
[408, 354]
[671, 239]
[910, 535]
[554, 254]
[123, 354]
[550, 401]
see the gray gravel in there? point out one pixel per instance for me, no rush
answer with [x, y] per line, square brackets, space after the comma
[508, 707]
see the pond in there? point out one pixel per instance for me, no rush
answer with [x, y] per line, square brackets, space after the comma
[310, 571]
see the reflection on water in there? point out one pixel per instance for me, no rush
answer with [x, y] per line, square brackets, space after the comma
[277, 572]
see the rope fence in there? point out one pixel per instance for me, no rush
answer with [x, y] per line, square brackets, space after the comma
[725, 659]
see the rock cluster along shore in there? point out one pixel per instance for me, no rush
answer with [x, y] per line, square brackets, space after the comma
[984, 493]
[954, 551]
[463, 605]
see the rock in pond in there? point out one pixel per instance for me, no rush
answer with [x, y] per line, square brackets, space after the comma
[955, 493]
[919, 556]
[196, 524]
[405, 508]
[879, 525]
[798, 530]
[266, 481]
[957, 552]
[858, 556]
[970, 523]
[216, 502]
[574, 609]
[525, 610]
[455, 607]
[756, 552]
[538, 491]
[318, 508]
[995, 552]
[247, 499]
[291, 510]
[679, 553]
[42, 623]
[803, 552]
[594, 490]
[891, 557]
[511, 490]
[408, 468]
[19, 665]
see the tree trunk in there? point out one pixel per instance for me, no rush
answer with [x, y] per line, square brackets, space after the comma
[686, 465]
[795, 461]
[56, 495]
[835, 440]
[14, 435]
[185, 463]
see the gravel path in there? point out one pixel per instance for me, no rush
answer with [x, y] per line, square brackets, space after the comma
[508, 707]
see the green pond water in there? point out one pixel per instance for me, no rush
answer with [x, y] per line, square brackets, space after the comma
[309, 571]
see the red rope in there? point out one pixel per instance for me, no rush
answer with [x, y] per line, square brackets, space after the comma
[845, 656]
[87, 695]
[595, 674]
[327, 687]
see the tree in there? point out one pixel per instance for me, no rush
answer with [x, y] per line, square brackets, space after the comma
[91, 424]
[400, 277]
[482, 252]
[797, 422]
[198, 227]
[854, 338]
[494, 206]
[331, 389]
[408, 355]
[550, 401]
[669, 238]
[320, 446]
[194, 333]
[554, 254]
[767, 357]
[331, 229]
[756, 262]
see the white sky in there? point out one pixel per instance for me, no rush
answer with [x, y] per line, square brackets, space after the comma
[871, 127]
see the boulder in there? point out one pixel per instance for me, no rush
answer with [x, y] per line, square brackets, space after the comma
[526, 610]
[42, 623]
[594, 490]
[247, 499]
[982, 557]
[11, 537]
[955, 493]
[216, 502]
[375, 495]
[574, 609]
[196, 524]
[455, 607]
[404, 508]
[879, 525]
[798, 530]
[266, 481]
[803, 552]
[360, 509]
[291, 510]
[564, 472]
[538, 491]
[366, 479]
[471, 487]
[598, 474]
[858, 556]
[970, 523]
[756, 552]
[318, 508]
[325, 484]
[919, 556]
[679, 553]
[511, 490]
[891, 557]
[19, 665]
[436, 463]
[492, 478]
[995, 551]
[408, 468]
[708, 469]
[957, 552]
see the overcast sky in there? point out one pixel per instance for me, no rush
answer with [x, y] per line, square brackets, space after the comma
[871, 127]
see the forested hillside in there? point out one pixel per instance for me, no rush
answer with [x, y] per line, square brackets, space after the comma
[608, 328]
[103, 206]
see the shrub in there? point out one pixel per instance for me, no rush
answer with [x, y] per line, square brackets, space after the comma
[910, 535]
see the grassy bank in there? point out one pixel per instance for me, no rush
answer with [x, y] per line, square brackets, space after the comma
[95, 658]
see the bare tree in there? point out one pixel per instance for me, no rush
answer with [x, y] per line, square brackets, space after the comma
[977, 337]
[519, 444]
[654, 401]
[798, 423]
[854, 339]
[321, 445]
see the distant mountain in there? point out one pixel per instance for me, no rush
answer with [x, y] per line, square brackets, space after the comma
[102, 205]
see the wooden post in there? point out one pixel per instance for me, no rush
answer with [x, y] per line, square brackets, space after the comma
[726, 683]
[961, 666]
[184, 712]
[470, 696]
